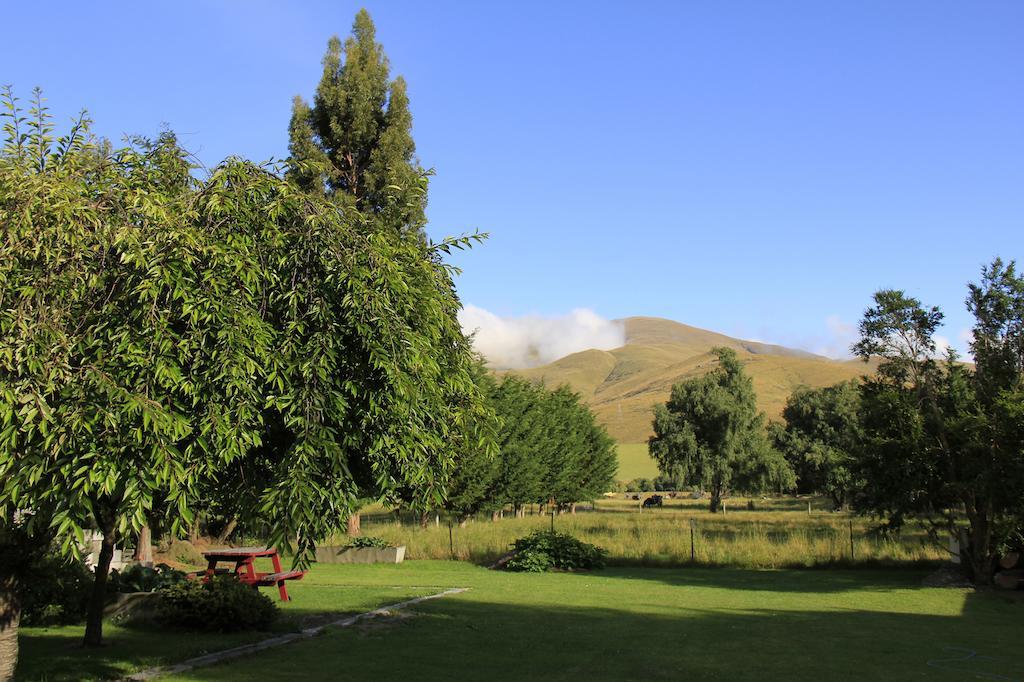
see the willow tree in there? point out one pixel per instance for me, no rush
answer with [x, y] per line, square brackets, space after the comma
[711, 433]
[154, 330]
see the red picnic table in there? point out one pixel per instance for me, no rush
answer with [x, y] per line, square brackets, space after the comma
[245, 570]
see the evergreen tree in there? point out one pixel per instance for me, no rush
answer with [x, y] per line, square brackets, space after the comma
[521, 438]
[355, 143]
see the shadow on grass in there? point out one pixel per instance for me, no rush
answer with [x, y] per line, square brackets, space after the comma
[56, 654]
[461, 638]
[802, 580]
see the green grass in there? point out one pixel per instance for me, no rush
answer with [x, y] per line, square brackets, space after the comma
[635, 462]
[616, 624]
[779, 533]
[658, 624]
[56, 653]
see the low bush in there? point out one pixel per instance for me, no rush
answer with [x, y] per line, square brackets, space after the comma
[543, 550]
[57, 594]
[139, 578]
[223, 604]
[367, 541]
[184, 552]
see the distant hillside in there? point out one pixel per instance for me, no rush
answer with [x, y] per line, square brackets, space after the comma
[623, 385]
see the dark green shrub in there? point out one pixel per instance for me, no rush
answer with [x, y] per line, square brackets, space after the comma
[367, 541]
[223, 604]
[184, 552]
[546, 549]
[139, 578]
[55, 592]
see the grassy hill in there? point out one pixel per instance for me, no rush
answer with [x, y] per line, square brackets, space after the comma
[623, 385]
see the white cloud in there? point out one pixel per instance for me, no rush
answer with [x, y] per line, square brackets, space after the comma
[836, 343]
[532, 340]
[966, 338]
[942, 346]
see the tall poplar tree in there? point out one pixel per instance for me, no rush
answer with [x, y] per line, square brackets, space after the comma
[354, 143]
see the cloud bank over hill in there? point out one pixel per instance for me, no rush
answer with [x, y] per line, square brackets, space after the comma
[532, 340]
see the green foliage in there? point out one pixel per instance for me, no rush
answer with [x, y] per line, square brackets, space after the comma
[222, 604]
[545, 549]
[367, 541]
[139, 578]
[640, 485]
[943, 443]
[551, 446]
[710, 434]
[55, 592]
[821, 437]
[354, 143]
[476, 460]
[165, 339]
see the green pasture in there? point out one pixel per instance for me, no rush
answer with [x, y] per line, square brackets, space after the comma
[616, 624]
[635, 462]
[776, 533]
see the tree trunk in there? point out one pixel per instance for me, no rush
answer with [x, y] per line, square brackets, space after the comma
[10, 615]
[572, 508]
[982, 562]
[193, 531]
[228, 530]
[94, 614]
[144, 547]
[353, 525]
[494, 516]
[424, 519]
[463, 520]
[716, 503]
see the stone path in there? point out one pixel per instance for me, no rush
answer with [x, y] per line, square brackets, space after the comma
[218, 656]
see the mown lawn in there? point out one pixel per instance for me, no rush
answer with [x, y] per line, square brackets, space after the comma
[56, 653]
[634, 624]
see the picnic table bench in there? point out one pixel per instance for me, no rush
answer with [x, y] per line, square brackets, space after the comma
[244, 559]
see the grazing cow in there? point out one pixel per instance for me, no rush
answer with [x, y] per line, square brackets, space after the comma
[653, 501]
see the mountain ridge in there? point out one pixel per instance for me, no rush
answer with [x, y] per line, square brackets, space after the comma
[623, 384]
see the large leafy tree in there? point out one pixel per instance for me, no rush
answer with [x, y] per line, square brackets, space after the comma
[942, 443]
[711, 434]
[355, 143]
[821, 437]
[155, 330]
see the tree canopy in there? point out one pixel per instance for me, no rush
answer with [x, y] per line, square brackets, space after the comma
[154, 328]
[943, 443]
[821, 438]
[355, 143]
[711, 435]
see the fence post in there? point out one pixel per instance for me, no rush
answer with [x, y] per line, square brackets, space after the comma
[693, 526]
[451, 542]
[852, 558]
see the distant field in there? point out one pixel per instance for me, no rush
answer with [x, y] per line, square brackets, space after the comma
[775, 533]
[634, 462]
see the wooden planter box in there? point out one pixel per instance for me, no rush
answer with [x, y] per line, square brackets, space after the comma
[360, 555]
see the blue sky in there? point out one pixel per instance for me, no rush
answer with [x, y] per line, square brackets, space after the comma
[755, 168]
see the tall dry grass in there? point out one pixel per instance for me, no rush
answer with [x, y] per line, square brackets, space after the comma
[776, 534]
